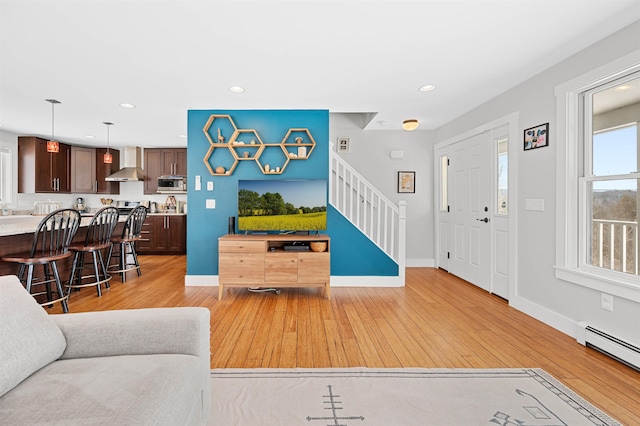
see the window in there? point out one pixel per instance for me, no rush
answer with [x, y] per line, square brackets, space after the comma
[608, 196]
[598, 159]
[5, 176]
[502, 195]
[444, 180]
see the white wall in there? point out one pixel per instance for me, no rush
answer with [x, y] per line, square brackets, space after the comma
[539, 293]
[369, 155]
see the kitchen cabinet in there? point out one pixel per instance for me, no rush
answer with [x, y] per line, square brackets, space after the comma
[83, 169]
[42, 171]
[163, 234]
[162, 162]
[88, 171]
[103, 170]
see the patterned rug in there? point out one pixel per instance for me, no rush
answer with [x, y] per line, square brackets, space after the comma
[407, 396]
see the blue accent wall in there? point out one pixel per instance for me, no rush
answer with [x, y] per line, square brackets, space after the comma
[352, 253]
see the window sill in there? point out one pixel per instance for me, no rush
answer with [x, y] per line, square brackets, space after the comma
[611, 282]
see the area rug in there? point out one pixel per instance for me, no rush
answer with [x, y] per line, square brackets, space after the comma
[364, 396]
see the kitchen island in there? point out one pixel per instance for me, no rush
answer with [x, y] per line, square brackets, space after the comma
[16, 235]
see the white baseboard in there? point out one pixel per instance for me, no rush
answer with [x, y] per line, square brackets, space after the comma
[420, 263]
[552, 319]
[201, 280]
[336, 281]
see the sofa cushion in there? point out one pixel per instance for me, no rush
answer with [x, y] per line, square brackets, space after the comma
[119, 390]
[29, 339]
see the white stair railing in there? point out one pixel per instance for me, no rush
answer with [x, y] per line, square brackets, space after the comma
[383, 222]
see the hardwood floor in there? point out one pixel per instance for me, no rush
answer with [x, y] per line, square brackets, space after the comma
[436, 321]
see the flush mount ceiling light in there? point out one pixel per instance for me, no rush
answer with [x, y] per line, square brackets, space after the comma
[108, 157]
[52, 145]
[127, 106]
[410, 125]
[427, 88]
[236, 89]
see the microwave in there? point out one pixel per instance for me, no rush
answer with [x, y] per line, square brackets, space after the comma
[172, 184]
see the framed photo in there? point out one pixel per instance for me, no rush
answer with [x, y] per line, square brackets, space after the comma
[407, 182]
[536, 137]
[343, 144]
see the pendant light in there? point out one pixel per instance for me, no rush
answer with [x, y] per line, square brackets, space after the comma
[108, 157]
[52, 145]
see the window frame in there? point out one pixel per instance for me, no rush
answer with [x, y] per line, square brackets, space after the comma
[7, 195]
[570, 160]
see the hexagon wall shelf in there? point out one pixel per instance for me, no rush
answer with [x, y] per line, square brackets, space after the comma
[229, 146]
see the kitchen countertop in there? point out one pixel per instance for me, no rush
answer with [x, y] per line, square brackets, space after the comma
[25, 224]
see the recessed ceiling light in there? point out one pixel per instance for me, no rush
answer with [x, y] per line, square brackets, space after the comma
[183, 136]
[128, 106]
[623, 87]
[236, 89]
[89, 136]
[427, 88]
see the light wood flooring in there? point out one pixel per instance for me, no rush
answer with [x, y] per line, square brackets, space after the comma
[436, 321]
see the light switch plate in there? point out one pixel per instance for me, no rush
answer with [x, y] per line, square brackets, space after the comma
[198, 183]
[209, 186]
[211, 204]
[535, 204]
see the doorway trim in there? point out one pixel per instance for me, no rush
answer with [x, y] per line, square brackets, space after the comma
[510, 120]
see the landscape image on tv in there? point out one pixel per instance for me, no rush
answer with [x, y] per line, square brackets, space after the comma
[282, 205]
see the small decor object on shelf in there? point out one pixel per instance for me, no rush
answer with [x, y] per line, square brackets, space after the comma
[536, 137]
[245, 155]
[267, 168]
[220, 137]
[406, 182]
[299, 139]
[220, 170]
[318, 246]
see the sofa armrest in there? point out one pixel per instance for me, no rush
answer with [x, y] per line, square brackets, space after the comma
[136, 332]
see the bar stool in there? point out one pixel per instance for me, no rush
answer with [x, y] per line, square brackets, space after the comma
[125, 244]
[51, 242]
[98, 239]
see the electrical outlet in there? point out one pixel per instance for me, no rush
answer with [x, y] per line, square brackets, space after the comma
[606, 302]
[211, 204]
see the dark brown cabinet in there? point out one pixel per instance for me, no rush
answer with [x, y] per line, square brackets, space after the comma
[103, 170]
[42, 171]
[163, 234]
[162, 162]
[88, 171]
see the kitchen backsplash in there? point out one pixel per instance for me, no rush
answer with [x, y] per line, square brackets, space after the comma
[129, 191]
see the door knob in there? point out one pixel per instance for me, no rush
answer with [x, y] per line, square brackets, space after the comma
[485, 220]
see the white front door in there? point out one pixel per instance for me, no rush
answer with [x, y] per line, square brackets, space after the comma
[469, 187]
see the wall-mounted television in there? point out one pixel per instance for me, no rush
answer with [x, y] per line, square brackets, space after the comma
[282, 205]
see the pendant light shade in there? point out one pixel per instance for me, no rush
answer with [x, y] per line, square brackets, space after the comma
[107, 157]
[52, 145]
[410, 125]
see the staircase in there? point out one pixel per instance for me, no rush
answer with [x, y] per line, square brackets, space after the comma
[383, 222]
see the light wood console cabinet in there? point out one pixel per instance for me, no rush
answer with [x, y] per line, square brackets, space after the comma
[262, 261]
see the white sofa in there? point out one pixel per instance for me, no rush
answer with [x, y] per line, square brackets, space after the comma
[126, 367]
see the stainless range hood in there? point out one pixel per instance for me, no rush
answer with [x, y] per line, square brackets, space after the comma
[132, 170]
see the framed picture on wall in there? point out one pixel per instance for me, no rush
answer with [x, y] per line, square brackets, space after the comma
[407, 182]
[536, 137]
[343, 144]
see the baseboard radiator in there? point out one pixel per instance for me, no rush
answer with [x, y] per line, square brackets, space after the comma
[612, 346]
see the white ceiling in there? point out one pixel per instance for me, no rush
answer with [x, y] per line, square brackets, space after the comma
[167, 57]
